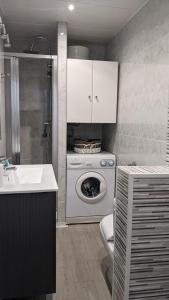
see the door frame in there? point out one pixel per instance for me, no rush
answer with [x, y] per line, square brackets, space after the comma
[15, 103]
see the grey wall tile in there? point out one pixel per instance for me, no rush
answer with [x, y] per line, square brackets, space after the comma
[142, 48]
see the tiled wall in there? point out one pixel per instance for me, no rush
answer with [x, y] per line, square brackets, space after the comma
[142, 48]
[34, 110]
[83, 131]
[97, 51]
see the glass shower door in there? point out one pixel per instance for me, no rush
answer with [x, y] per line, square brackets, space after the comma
[35, 77]
[2, 108]
[12, 116]
[28, 93]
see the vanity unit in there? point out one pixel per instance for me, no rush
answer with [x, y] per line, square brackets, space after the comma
[28, 232]
[91, 91]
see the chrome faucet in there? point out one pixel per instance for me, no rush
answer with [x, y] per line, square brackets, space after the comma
[5, 161]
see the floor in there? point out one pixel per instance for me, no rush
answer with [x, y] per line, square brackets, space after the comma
[81, 259]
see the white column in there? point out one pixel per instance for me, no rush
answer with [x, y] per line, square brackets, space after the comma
[62, 120]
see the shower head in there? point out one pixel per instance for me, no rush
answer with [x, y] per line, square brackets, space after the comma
[34, 43]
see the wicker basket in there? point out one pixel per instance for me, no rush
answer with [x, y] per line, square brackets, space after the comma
[87, 146]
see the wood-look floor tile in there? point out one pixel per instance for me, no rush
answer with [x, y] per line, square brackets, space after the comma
[80, 253]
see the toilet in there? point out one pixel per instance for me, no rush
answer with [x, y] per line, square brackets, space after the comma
[107, 226]
[107, 235]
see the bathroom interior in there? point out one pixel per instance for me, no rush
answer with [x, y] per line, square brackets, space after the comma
[84, 149]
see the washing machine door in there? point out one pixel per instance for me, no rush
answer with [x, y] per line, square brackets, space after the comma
[91, 187]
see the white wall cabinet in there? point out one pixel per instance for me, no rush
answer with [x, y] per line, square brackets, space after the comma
[91, 91]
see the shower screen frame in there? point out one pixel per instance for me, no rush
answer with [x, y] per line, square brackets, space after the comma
[15, 103]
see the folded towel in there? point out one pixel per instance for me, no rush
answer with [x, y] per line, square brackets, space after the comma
[107, 227]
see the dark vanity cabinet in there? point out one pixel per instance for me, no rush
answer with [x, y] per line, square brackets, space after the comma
[27, 244]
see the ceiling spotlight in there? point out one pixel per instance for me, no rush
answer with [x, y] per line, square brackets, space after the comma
[71, 7]
[62, 33]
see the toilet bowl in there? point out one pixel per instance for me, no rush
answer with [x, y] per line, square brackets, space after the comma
[107, 235]
[107, 226]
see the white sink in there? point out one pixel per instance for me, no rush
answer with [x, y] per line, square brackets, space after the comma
[29, 175]
[29, 179]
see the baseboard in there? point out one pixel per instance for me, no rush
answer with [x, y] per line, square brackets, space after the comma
[83, 220]
[61, 225]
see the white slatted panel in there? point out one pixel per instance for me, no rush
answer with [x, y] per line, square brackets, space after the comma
[167, 144]
[141, 259]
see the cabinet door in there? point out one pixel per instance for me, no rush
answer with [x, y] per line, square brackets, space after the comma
[105, 80]
[79, 91]
[27, 245]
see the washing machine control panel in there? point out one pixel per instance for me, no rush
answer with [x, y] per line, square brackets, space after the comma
[90, 162]
[107, 163]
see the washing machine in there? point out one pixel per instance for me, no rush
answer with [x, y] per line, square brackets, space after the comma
[90, 186]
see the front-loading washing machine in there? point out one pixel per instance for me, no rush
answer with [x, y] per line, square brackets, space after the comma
[90, 186]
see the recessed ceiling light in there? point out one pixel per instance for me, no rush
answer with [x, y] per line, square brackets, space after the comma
[71, 7]
[62, 33]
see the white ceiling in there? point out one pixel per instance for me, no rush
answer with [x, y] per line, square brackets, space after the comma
[92, 20]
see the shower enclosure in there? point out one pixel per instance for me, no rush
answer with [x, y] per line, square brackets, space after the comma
[31, 107]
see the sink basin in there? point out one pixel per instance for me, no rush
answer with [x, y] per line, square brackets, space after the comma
[24, 175]
[29, 179]
[29, 175]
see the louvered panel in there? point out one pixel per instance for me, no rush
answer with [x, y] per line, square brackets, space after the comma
[167, 144]
[141, 254]
[120, 237]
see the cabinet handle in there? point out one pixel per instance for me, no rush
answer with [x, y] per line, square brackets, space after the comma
[90, 99]
[97, 99]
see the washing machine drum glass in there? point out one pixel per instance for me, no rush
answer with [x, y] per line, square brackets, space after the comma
[91, 187]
